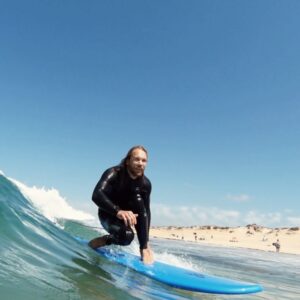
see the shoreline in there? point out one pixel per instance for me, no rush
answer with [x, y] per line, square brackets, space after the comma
[249, 237]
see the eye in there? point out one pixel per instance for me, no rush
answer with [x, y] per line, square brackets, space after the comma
[137, 159]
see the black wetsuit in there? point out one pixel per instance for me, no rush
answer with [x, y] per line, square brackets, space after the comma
[115, 191]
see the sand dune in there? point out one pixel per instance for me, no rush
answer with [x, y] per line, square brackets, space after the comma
[250, 236]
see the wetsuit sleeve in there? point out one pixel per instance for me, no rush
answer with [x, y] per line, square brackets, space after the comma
[103, 191]
[149, 216]
[147, 206]
[143, 225]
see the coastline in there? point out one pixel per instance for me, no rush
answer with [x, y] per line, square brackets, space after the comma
[250, 236]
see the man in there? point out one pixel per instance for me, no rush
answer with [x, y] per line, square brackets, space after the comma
[123, 198]
[277, 245]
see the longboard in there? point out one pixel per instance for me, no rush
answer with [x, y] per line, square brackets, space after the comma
[178, 277]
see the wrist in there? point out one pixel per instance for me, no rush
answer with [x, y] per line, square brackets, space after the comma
[117, 210]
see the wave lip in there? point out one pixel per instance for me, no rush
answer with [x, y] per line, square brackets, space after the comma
[50, 203]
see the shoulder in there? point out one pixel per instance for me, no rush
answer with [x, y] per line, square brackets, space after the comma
[111, 174]
[147, 183]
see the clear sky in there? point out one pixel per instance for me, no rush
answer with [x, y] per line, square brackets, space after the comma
[210, 88]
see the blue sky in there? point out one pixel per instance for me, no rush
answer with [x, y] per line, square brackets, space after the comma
[210, 88]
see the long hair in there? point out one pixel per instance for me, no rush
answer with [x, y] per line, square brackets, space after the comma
[127, 157]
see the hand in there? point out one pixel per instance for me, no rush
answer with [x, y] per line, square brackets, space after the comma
[147, 256]
[128, 217]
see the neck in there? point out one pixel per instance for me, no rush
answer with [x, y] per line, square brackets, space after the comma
[131, 175]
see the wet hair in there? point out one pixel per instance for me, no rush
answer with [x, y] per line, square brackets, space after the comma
[127, 157]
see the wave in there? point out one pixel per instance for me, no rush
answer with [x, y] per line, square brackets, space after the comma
[38, 259]
[41, 259]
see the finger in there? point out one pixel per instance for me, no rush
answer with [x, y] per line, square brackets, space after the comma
[132, 220]
[125, 220]
[129, 219]
[135, 216]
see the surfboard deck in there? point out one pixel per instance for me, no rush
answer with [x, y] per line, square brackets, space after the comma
[178, 277]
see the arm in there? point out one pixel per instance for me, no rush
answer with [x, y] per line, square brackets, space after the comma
[147, 208]
[142, 207]
[145, 250]
[102, 198]
[143, 225]
[103, 191]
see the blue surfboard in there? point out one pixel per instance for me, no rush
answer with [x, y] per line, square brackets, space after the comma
[178, 277]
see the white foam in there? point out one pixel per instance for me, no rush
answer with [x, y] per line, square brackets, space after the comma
[165, 257]
[50, 203]
[1, 173]
[177, 261]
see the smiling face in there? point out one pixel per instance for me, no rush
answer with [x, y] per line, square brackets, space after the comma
[136, 163]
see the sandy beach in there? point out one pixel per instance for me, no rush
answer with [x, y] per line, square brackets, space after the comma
[250, 236]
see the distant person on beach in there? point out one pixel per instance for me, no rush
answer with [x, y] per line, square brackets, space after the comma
[277, 245]
[123, 198]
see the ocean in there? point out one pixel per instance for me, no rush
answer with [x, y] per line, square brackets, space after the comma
[40, 259]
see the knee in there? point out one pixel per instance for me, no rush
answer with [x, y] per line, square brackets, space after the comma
[126, 237]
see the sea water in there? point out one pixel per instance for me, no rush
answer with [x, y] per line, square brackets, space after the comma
[40, 259]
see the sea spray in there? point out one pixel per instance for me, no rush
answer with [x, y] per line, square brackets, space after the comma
[51, 204]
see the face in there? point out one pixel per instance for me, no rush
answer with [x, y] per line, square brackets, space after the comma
[137, 163]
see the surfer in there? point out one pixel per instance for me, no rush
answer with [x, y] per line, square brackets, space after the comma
[123, 199]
